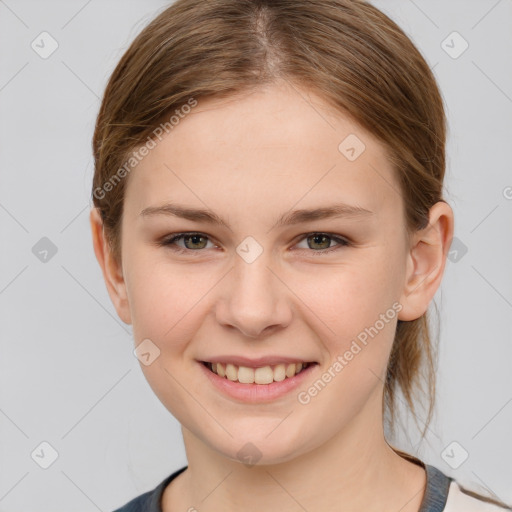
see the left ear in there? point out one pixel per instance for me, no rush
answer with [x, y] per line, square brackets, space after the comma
[426, 262]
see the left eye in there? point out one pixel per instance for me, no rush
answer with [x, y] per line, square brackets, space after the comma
[321, 238]
[312, 239]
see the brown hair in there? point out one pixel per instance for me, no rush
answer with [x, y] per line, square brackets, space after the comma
[355, 57]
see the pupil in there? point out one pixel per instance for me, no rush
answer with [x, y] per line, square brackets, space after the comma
[194, 238]
[315, 237]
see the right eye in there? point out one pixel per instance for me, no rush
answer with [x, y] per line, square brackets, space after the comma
[190, 239]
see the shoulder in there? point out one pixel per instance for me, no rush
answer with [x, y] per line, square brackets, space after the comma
[464, 500]
[138, 504]
[150, 501]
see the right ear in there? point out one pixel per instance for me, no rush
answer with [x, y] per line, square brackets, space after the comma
[112, 271]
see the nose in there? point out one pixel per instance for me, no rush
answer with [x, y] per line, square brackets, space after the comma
[254, 298]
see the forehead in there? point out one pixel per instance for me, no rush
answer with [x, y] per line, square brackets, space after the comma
[277, 144]
[279, 115]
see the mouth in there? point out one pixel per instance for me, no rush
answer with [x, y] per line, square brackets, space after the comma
[260, 375]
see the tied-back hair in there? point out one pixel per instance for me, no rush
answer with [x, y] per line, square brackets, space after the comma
[347, 51]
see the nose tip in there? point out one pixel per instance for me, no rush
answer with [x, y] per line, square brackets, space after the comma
[254, 302]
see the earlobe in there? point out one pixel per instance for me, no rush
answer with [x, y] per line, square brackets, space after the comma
[111, 269]
[426, 262]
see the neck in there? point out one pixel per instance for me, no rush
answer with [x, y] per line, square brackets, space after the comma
[355, 470]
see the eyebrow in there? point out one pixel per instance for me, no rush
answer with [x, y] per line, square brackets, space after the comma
[287, 219]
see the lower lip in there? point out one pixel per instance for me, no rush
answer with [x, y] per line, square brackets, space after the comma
[257, 393]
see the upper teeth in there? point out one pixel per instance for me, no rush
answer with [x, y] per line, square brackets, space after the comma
[264, 375]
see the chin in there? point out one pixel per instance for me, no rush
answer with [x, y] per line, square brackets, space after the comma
[260, 450]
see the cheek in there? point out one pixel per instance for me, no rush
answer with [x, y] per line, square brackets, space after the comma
[167, 309]
[163, 296]
[354, 314]
[349, 298]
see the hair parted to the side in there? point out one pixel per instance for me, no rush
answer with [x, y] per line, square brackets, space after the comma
[347, 51]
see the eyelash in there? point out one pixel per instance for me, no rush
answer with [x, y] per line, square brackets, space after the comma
[170, 242]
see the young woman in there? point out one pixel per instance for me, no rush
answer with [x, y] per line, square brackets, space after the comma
[268, 215]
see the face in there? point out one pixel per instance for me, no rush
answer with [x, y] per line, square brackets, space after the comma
[322, 289]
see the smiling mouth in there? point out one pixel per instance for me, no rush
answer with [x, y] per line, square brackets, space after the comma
[263, 375]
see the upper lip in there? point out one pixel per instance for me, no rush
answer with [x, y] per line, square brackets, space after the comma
[255, 362]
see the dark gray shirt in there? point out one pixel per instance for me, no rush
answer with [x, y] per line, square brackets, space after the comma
[434, 500]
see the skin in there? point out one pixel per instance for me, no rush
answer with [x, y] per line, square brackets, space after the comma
[250, 159]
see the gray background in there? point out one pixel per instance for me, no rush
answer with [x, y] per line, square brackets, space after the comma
[68, 376]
